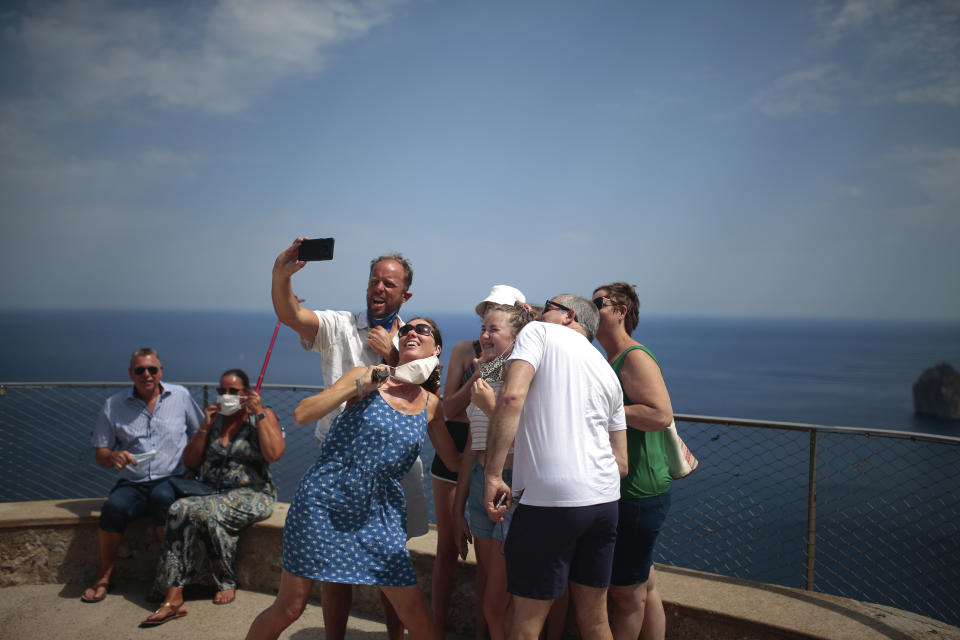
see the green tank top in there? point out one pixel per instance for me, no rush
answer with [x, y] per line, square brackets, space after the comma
[647, 472]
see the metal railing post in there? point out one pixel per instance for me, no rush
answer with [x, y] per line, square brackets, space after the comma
[812, 511]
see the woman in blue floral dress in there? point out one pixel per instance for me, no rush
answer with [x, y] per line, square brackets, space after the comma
[232, 451]
[346, 522]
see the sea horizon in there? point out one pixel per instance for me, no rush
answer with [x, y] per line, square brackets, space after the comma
[828, 371]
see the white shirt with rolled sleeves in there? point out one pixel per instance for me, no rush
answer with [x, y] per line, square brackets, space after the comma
[341, 341]
[125, 424]
[563, 456]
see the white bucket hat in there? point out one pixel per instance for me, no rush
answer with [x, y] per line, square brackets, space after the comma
[501, 294]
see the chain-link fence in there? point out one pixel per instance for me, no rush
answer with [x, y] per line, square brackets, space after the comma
[866, 514]
[869, 515]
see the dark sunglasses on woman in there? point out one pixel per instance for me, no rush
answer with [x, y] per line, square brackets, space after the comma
[223, 391]
[422, 329]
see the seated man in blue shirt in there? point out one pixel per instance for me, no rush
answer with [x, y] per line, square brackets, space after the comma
[141, 432]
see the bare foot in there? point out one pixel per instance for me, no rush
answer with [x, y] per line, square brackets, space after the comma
[225, 597]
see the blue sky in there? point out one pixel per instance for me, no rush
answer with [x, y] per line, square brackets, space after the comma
[731, 158]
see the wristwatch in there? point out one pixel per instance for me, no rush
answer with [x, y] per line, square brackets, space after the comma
[261, 416]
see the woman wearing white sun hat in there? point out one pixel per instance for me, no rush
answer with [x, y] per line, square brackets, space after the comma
[461, 375]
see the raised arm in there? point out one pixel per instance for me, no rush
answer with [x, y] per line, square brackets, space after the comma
[316, 406]
[643, 383]
[196, 449]
[269, 433]
[289, 311]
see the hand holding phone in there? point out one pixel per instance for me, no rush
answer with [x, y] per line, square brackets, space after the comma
[313, 249]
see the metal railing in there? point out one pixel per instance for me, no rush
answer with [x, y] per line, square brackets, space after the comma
[872, 515]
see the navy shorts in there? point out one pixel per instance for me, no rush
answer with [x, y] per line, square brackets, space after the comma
[457, 431]
[130, 500]
[640, 522]
[546, 546]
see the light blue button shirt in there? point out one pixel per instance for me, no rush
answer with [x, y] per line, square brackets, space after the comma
[125, 424]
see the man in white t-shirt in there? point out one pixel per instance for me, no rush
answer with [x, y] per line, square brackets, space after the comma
[562, 407]
[345, 340]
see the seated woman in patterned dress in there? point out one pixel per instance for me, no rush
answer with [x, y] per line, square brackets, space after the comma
[346, 520]
[233, 449]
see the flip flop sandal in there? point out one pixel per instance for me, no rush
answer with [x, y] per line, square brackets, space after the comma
[96, 587]
[175, 612]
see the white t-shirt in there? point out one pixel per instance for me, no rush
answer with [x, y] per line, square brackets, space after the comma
[562, 453]
[341, 341]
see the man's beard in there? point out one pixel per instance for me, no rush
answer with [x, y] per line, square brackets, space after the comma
[387, 313]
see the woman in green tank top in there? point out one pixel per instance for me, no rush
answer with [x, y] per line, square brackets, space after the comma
[644, 492]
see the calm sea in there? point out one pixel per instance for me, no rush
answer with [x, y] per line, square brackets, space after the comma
[830, 372]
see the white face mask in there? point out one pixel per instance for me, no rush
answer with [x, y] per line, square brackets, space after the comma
[416, 372]
[229, 404]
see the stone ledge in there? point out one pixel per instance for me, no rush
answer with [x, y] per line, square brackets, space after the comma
[53, 513]
[55, 542]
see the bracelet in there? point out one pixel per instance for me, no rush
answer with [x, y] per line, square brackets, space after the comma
[359, 387]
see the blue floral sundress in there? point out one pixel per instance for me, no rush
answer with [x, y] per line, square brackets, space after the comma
[347, 520]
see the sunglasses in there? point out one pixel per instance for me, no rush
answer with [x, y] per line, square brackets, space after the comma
[139, 370]
[558, 306]
[224, 391]
[422, 329]
[598, 303]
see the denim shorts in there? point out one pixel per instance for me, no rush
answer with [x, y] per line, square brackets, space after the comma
[481, 526]
[640, 522]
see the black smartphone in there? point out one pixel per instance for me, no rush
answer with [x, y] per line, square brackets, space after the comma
[316, 249]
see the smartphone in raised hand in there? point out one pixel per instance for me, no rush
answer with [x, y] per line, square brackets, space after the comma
[313, 249]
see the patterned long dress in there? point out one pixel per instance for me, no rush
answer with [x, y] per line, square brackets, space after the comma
[200, 541]
[347, 520]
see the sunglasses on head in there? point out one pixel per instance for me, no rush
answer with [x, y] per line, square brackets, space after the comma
[558, 306]
[139, 370]
[422, 329]
[224, 391]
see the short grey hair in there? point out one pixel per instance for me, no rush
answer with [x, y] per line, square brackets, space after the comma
[587, 315]
[145, 351]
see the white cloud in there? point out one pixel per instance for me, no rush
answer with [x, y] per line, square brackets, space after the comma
[935, 173]
[101, 54]
[810, 90]
[873, 51]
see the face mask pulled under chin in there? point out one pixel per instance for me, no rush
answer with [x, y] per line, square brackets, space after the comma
[417, 371]
[229, 404]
